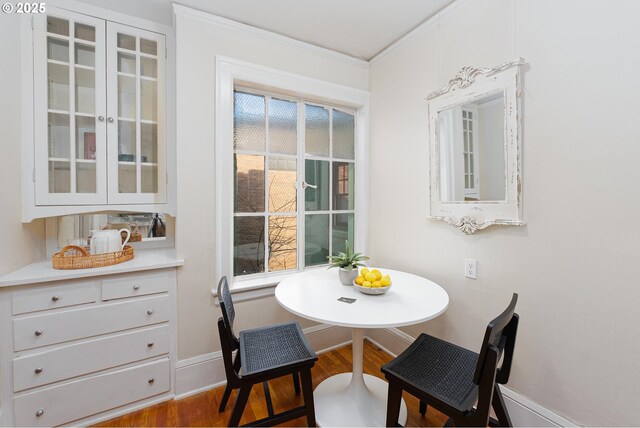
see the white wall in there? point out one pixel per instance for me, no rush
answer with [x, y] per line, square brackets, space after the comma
[198, 42]
[574, 265]
[20, 244]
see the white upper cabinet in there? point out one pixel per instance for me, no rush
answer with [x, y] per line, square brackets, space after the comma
[99, 118]
[70, 108]
[135, 128]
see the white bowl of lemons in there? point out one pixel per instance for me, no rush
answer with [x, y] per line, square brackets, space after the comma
[372, 282]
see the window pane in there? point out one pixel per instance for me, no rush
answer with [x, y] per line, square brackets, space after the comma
[283, 129]
[249, 183]
[126, 42]
[316, 239]
[58, 50]
[58, 26]
[343, 186]
[85, 91]
[248, 122]
[316, 130]
[282, 243]
[343, 135]
[148, 46]
[342, 230]
[58, 90]
[282, 184]
[85, 55]
[85, 32]
[316, 173]
[248, 245]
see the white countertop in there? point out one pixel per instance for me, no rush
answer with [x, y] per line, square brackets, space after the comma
[42, 271]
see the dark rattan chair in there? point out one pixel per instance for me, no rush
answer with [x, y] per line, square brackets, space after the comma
[452, 379]
[264, 353]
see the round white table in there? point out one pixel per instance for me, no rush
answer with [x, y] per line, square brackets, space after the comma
[354, 399]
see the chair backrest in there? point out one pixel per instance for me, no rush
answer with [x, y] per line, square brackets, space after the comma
[228, 313]
[501, 334]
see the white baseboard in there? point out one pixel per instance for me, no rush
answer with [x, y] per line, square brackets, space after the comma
[523, 411]
[205, 372]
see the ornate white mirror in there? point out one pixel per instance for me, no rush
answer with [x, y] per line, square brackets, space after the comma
[474, 133]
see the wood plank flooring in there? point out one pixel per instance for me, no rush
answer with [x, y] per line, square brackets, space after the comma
[202, 409]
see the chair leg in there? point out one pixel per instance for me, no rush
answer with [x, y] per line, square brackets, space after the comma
[238, 408]
[296, 382]
[394, 399]
[307, 393]
[423, 407]
[497, 402]
[267, 396]
[225, 398]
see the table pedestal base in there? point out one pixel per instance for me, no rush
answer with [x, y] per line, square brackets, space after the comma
[343, 401]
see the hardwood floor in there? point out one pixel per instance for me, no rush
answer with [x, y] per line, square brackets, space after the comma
[202, 409]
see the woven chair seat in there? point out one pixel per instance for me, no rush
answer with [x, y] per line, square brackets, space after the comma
[439, 368]
[267, 348]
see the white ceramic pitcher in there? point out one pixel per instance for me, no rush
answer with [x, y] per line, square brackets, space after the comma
[108, 241]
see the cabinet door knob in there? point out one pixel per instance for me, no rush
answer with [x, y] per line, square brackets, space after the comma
[151, 380]
[39, 412]
[38, 370]
[150, 312]
[110, 119]
[136, 287]
[101, 118]
[150, 345]
[38, 332]
[55, 298]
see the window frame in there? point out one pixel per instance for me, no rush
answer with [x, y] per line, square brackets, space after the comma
[232, 74]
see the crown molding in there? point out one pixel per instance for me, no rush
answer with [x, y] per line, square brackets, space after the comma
[229, 24]
[418, 30]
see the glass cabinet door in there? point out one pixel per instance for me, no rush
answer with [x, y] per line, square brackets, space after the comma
[136, 142]
[70, 108]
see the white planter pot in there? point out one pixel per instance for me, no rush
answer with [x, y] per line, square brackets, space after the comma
[347, 276]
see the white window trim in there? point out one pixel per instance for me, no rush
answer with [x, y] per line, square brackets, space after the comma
[231, 72]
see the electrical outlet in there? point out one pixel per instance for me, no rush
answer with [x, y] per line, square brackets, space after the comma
[470, 268]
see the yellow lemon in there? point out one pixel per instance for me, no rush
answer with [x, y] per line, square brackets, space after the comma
[370, 277]
[376, 284]
[385, 281]
[364, 271]
[360, 280]
[366, 284]
[377, 273]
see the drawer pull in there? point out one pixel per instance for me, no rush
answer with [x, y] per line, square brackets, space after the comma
[55, 298]
[136, 287]
[151, 380]
[39, 412]
[150, 312]
[38, 370]
[150, 345]
[38, 332]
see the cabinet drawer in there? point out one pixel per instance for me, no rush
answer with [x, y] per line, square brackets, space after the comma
[135, 285]
[40, 330]
[86, 397]
[89, 357]
[51, 297]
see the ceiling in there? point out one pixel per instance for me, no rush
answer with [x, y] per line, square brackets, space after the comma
[358, 28]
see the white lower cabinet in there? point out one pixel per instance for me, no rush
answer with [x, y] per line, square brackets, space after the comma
[104, 345]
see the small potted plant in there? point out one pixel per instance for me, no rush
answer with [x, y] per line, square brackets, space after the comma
[348, 263]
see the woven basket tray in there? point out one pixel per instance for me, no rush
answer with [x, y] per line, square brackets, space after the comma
[74, 257]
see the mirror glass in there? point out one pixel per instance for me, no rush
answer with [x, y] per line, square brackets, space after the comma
[472, 150]
[144, 227]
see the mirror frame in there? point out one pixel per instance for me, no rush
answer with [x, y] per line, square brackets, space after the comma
[470, 84]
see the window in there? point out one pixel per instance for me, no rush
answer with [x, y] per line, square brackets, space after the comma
[470, 152]
[294, 182]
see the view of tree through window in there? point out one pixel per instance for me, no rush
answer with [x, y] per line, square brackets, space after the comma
[269, 152]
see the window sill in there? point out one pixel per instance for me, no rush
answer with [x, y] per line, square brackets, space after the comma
[257, 288]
